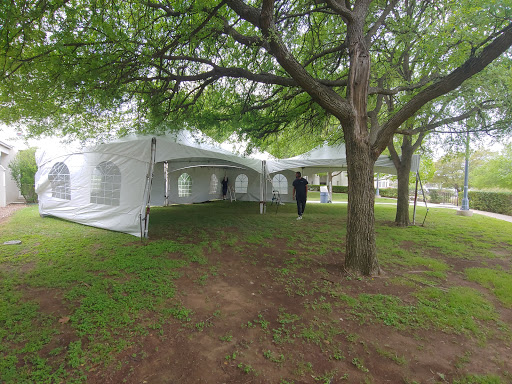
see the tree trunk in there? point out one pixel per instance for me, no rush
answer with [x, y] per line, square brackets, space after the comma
[403, 166]
[361, 250]
[402, 203]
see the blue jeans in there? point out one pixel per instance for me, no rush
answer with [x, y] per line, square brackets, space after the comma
[301, 206]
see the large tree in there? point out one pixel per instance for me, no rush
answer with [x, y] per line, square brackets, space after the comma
[480, 108]
[261, 65]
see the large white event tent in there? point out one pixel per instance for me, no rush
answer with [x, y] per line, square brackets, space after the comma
[326, 158]
[113, 185]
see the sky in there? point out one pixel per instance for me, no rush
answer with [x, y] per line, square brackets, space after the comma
[11, 137]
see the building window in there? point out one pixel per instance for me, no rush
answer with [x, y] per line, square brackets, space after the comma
[60, 181]
[184, 185]
[106, 184]
[214, 184]
[280, 184]
[241, 183]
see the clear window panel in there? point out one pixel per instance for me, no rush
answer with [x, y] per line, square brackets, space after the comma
[214, 184]
[60, 181]
[280, 184]
[106, 184]
[184, 185]
[241, 183]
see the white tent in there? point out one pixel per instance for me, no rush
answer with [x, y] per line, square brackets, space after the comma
[113, 185]
[326, 159]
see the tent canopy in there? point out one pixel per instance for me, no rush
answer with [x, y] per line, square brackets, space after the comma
[328, 158]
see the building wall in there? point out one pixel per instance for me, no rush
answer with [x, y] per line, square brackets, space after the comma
[9, 192]
[342, 180]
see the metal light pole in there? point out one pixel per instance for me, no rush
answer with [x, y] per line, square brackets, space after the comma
[464, 209]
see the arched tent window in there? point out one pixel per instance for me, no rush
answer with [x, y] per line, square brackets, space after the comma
[60, 181]
[214, 184]
[241, 183]
[184, 185]
[106, 184]
[280, 184]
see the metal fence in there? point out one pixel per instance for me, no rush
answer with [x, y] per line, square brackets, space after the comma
[439, 196]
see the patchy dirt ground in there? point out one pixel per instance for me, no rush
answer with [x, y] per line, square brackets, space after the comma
[263, 314]
[6, 212]
[243, 330]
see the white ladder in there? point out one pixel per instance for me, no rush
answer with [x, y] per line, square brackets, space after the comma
[232, 195]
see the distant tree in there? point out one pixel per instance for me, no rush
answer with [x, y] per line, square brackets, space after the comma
[481, 106]
[450, 168]
[450, 171]
[495, 171]
[23, 170]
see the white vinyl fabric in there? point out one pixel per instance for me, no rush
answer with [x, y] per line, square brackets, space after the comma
[104, 185]
[329, 159]
[96, 199]
[108, 185]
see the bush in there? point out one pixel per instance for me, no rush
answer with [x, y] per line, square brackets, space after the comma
[339, 189]
[388, 192]
[23, 170]
[435, 196]
[497, 202]
[335, 188]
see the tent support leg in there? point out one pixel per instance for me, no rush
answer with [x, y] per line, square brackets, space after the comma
[147, 192]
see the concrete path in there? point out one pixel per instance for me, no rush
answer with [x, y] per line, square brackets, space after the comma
[490, 214]
[445, 206]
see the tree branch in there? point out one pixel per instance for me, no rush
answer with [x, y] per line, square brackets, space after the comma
[375, 27]
[341, 9]
[384, 91]
[446, 84]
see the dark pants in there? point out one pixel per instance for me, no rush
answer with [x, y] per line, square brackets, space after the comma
[301, 206]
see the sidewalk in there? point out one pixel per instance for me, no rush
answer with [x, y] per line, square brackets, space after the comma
[431, 205]
[490, 214]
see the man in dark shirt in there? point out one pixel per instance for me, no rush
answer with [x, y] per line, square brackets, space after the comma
[224, 187]
[300, 193]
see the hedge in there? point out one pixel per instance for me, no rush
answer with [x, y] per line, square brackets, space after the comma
[388, 192]
[335, 188]
[497, 202]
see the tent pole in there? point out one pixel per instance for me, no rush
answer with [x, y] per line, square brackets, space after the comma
[415, 200]
[147, 190]
[166, 179]
[424, 198]
[263, 182]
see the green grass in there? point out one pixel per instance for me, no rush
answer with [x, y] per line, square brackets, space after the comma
[497, 280]
[105, 291]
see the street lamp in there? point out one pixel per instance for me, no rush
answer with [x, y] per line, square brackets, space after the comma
[464, 209]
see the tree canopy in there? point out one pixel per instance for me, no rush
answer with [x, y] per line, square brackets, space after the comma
[494, 170]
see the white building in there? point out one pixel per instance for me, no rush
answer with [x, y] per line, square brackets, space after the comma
[340, 178]
[9, 192]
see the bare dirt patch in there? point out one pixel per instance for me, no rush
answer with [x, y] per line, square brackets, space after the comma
[226, 341]
[8, 211]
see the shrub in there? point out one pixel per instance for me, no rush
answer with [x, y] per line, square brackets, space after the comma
[23, 170]
[497, 202]
[388, 192]
[339, 189]
[335, 188]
